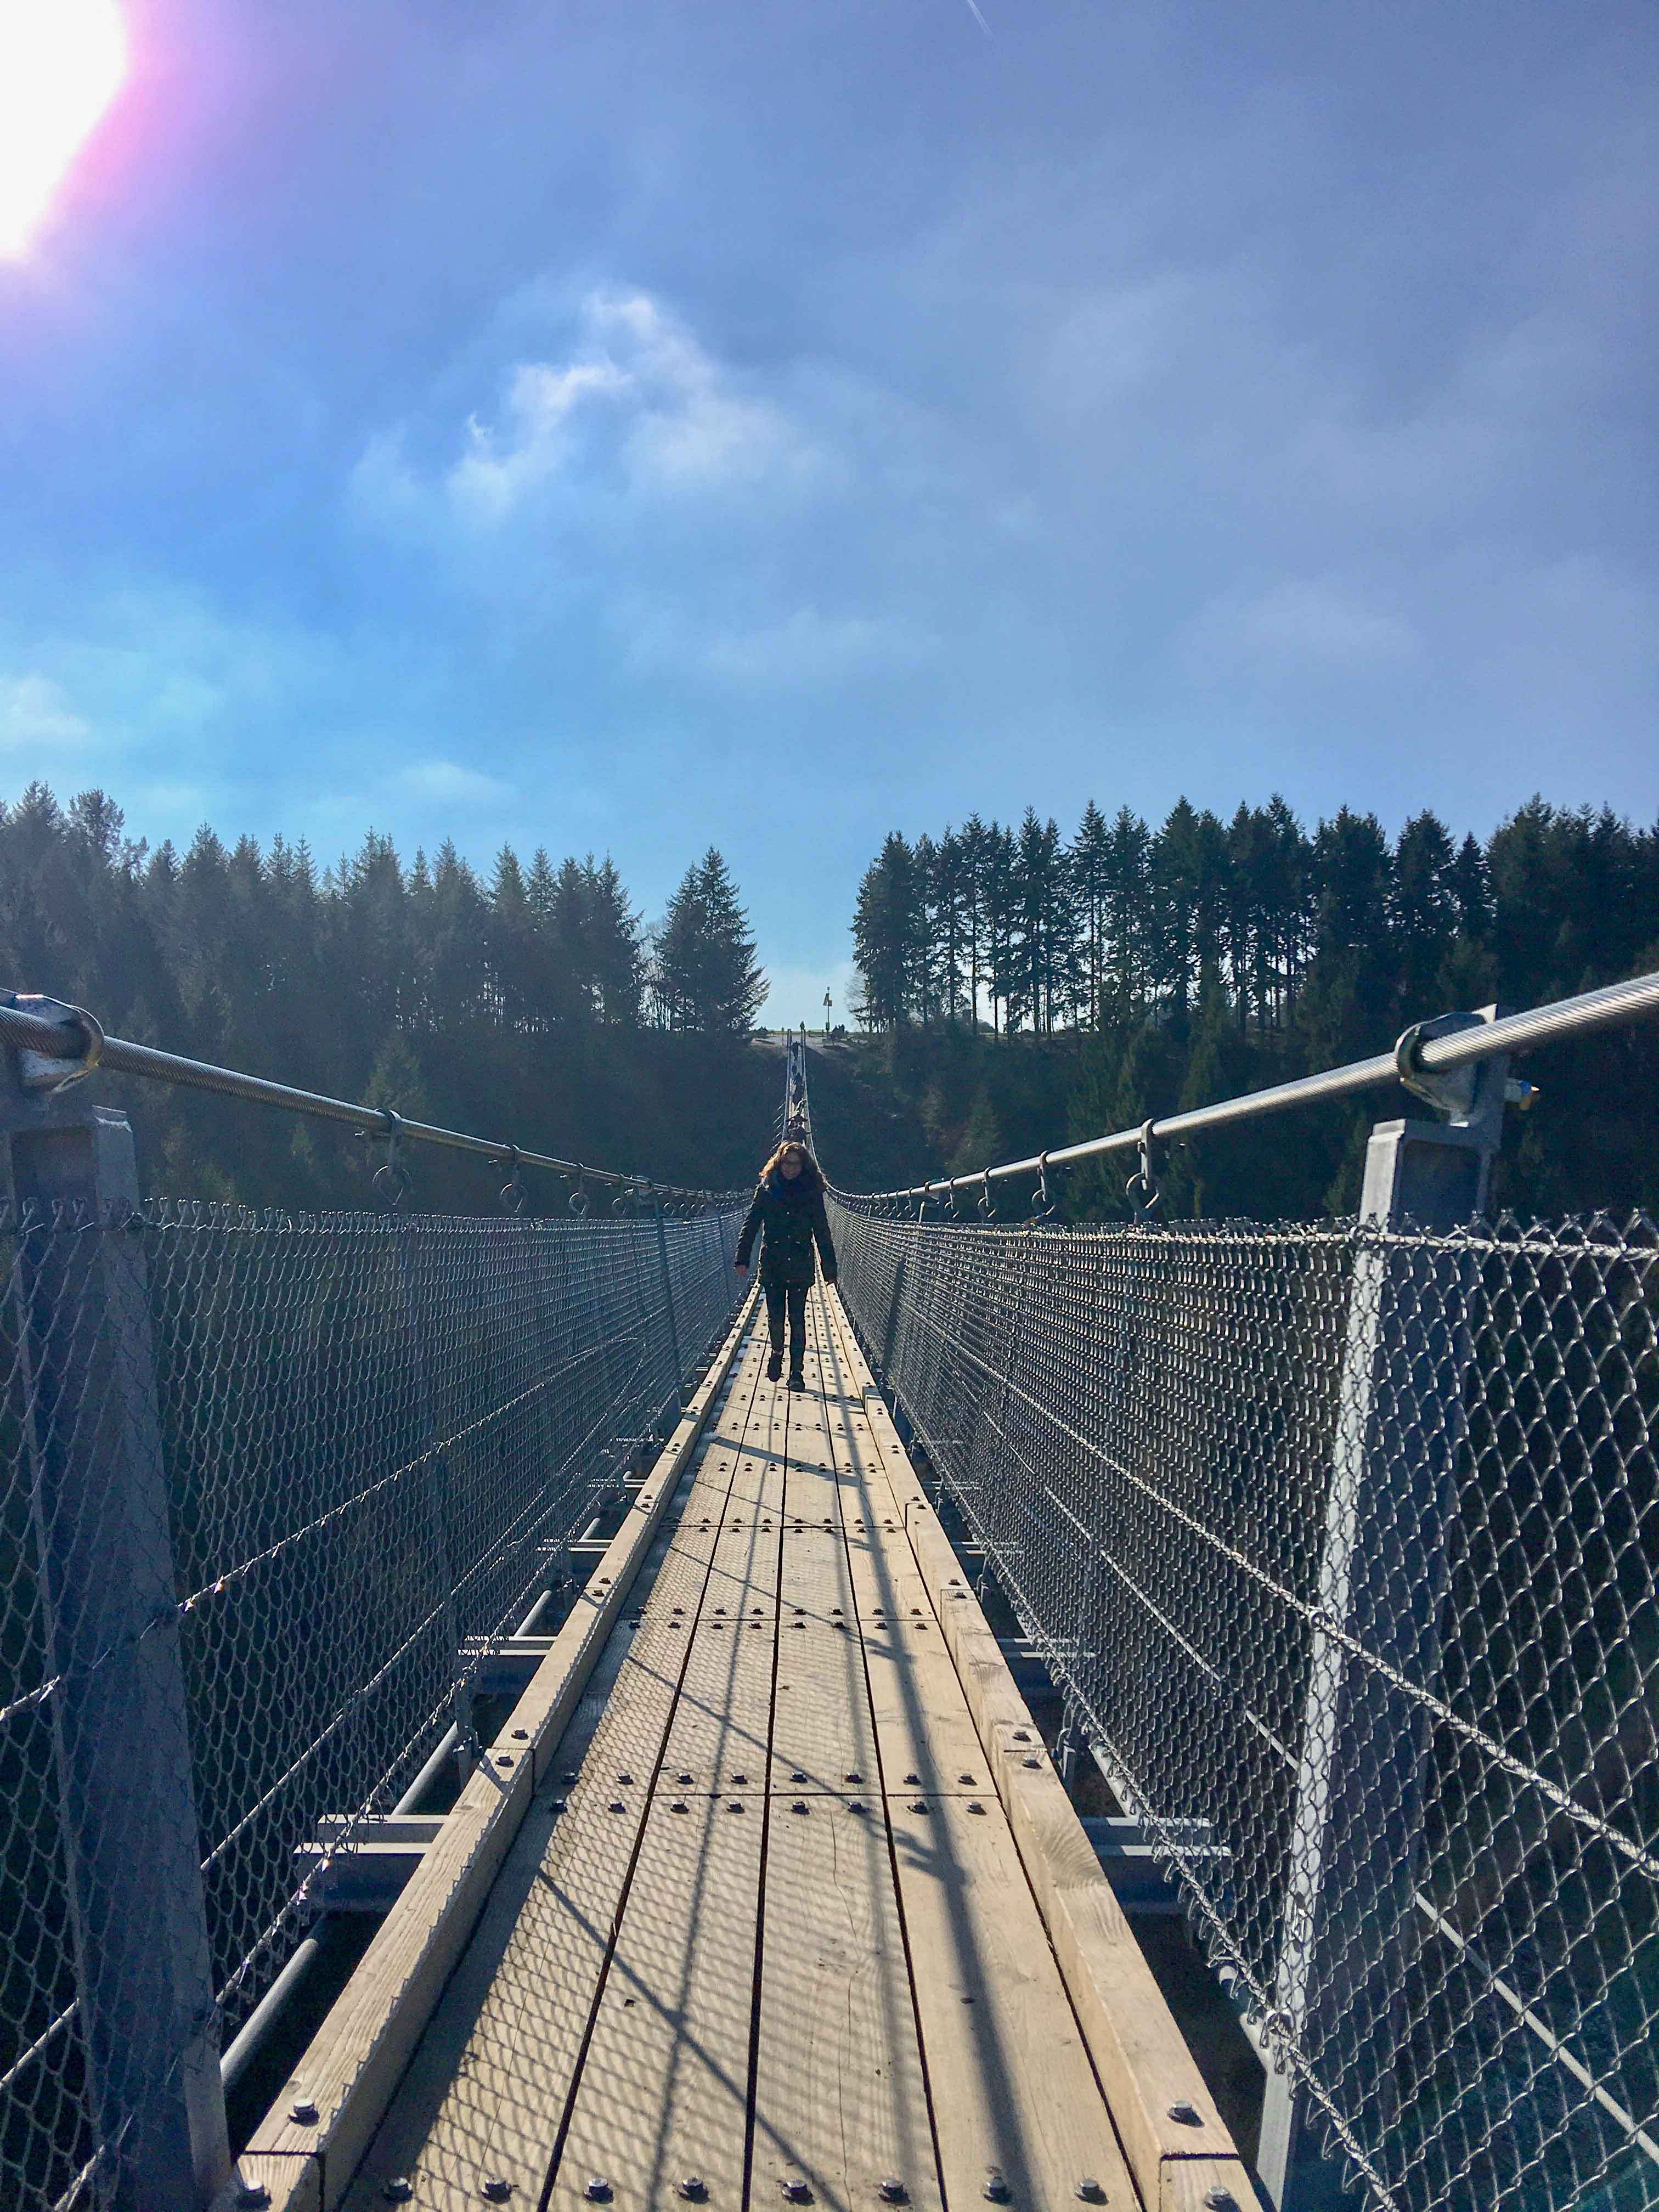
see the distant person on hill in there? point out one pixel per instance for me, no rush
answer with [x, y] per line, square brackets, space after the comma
[788, 1214]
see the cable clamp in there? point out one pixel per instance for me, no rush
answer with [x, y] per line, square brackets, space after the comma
[47, 1073]
[1472, 1097]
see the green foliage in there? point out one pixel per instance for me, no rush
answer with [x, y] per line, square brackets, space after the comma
[1171, 967]
[707, 976]
[518, 1009]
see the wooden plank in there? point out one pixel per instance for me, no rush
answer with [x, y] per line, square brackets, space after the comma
[496, 2116]
[482, 2100]
[352, 2066]
[722, 1717]
[744, 1480]
[662, 2098]
[1143, 2062]
[814, 1584]
[1015, 2098]
[840, 2097]
[923, 1726]
[823, 1737]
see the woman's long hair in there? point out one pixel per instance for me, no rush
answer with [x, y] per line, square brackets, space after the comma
[809, 1166]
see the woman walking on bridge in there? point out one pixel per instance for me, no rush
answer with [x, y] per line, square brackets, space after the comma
[788, 1214]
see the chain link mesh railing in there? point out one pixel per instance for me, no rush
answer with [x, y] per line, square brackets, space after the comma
[375, 1436]
[1342, 1543]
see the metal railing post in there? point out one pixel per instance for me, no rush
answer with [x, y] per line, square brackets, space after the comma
[85, 1383]
[1356, 1840]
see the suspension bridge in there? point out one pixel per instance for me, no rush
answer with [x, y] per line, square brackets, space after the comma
[467, 1737]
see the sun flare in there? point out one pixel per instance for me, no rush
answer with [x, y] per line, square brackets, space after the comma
[61, 63]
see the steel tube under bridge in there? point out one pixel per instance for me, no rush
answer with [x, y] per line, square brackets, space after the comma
[79, 1043]
[1610, 1008]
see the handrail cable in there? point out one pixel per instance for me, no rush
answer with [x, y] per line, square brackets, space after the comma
[1609, 1007]
[74, 1044]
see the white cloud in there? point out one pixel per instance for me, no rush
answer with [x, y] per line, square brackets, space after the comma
[35, 715]
[450, 782]
[638, 410]
[503, 463]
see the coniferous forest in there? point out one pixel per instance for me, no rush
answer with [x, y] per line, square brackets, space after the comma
[534, 1007]
[1018, 989]
[1131, 971]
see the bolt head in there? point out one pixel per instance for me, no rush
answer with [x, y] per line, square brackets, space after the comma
[303, 2112]
[1088, 2189]
[1022, 1735]
[968, 1778]
[521, 1735]
[684, 1780]
[855, 1805]
[892, 2190]
[253, 2196]
[397, 2189]
[617, 1805]
[1032, 1762]
[918, 1804]
[734, 1804]
[996, 2189]
[799, 1805]
[496, 2189]
[1186, 2114]
[598, 2191]
[694, 2188]
[678, 1805]
[740, 1779]
[975, 1806]
[1219, 2199]
[795, 2191]
[625, 1778]
[913, 1779]
[854, 1776]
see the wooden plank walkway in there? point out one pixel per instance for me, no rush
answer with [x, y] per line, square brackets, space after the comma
[773, 1928]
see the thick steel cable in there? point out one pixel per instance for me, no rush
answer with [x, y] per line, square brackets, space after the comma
[81, 1040]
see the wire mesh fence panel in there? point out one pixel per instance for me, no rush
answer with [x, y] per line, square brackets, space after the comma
[377, 1435]
[1343, 1545]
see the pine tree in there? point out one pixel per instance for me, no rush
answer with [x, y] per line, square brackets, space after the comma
[706, 974]
[886, 935]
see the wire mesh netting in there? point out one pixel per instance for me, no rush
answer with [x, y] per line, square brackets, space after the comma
[1342, 1545]
[270, 1487]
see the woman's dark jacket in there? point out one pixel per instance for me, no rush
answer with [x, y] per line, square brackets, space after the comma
[789, 1215]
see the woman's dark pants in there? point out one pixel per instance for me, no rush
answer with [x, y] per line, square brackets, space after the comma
[795, 1293]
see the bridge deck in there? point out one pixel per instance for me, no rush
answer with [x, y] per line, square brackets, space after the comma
[767, 1928]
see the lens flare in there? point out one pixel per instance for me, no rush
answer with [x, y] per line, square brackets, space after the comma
[61, 63]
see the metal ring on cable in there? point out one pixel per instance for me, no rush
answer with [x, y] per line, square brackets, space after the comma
[987, 1203]
[1141, 1190]
[514, 1194]
[391, 1184]
[956, 1211]
[581, 1204]
[1044, 1205]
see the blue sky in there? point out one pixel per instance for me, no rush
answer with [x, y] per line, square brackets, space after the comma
[636, 428]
